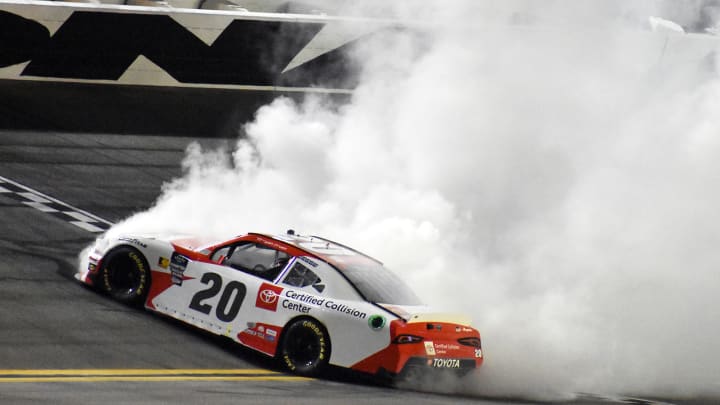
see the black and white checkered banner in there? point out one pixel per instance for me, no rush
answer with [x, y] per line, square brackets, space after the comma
[49, 205]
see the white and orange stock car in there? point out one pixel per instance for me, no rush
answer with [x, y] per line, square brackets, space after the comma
[308, 301]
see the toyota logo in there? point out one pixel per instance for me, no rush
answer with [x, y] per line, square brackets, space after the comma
[268, 296]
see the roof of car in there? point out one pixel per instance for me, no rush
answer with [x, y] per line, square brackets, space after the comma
[321, 247]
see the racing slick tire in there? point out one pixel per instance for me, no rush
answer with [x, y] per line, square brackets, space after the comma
[125, 275]
[305, 347]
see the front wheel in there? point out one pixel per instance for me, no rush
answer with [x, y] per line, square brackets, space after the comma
[125, 275]
[305, 347]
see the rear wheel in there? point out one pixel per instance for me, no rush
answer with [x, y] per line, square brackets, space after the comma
[125, 275]
[305, 347]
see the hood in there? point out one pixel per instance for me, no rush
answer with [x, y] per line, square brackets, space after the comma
[193, 243]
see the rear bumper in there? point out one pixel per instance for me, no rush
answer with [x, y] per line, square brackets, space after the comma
[424, 365]
[436, 349]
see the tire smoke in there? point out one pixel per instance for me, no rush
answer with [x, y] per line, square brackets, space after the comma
[552, 171]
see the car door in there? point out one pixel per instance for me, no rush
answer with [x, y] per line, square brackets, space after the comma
[219, 296]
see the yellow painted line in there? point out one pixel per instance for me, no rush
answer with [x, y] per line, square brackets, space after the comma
[134, 371]
[146, 375]
[148, 379]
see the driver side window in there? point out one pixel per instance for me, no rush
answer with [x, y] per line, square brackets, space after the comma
[253, 258]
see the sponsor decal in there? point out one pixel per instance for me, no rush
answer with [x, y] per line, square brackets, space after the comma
[442, 348]
[446, 363]
[231, 298]
[178, 263]
[478, 353]
[289, 362]
[271, 243]
[318, 332]
[298, 299]
[304, 259]
[260, 336]
[376, 322]
[268, 297]
[429, 348]
[295, 306]
[163, 262]
[305, 298]
[141, 268]
[250, 332]
[319, 302]
[133, 241]
[346, 310]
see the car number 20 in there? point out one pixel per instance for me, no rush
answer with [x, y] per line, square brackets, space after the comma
[226, 311]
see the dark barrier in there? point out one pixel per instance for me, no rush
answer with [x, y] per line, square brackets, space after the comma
[125, 109]
[95, 68]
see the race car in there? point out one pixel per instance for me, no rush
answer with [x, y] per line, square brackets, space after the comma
[305, 300]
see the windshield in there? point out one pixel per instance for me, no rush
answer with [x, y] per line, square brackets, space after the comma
[376, 283]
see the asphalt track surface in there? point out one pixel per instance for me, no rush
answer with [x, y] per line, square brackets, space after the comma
[62, 343]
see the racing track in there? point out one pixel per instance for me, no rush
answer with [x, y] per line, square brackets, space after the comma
[78, 347]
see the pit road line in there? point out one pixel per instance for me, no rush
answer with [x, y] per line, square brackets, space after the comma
[13, 380]
[141, 375]
[133, 371]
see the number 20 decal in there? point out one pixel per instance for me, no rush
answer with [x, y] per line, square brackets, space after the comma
[223, 312]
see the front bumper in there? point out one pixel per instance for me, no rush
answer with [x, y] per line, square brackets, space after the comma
[88, 269]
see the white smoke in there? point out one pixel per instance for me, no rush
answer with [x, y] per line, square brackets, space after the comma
[555, 173]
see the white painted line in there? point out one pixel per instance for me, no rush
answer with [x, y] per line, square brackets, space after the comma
[78, 216]
[40, 206]
[70, 207]
[4, 190]
[34, 197]
[37, 200]
[87, 226]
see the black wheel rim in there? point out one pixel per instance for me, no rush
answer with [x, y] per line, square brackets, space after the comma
[124, 276]
[303, 347]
